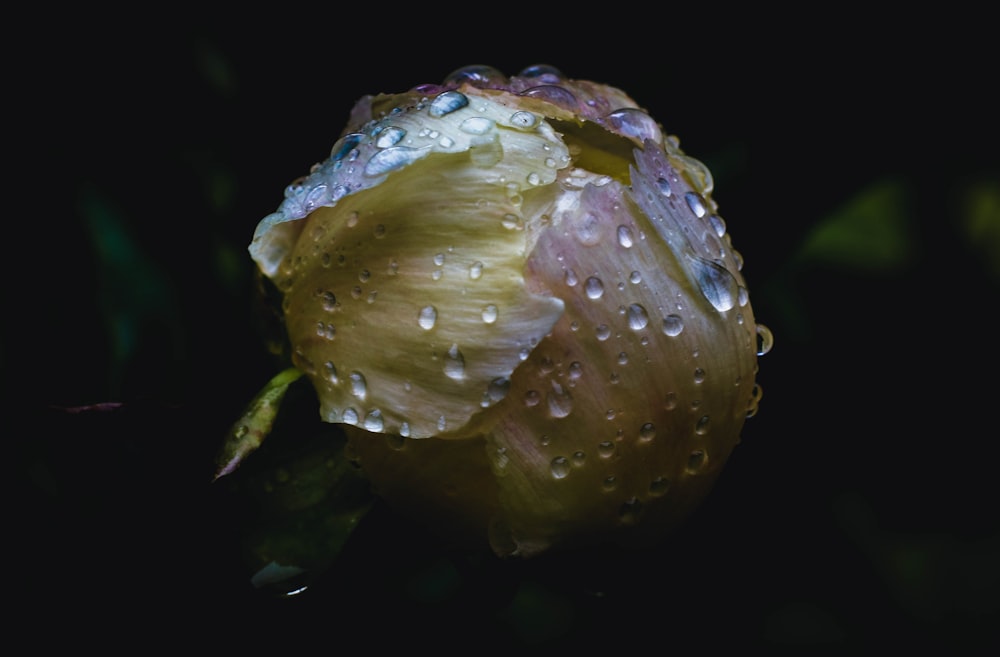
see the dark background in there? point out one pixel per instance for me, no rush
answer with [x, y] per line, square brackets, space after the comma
[856, 167]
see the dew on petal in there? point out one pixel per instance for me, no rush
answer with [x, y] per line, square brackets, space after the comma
[673, 325]
[638, 318]
[594, 287]
[359, 386]
[559, 466]
[427, 317]
[454, 363]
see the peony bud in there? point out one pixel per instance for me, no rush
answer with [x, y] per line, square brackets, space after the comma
[517, 297]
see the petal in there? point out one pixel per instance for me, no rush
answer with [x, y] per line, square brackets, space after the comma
[406, 300]
[629, 408]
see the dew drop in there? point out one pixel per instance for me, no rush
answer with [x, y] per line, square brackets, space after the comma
[659, 486]
[594, 287]
[664, 186]
[699, 375]
[701, 426]
[427, 317]
[446, 103]
[625, 237]
[498, 389]
[359, 386]
[442, 423]
[571, 278]
[559, 466]
[673, 325]
[438, 259]
[392, 159]
[696, 203]
[647, 432]
[489, 314]
[718, 225]
[559, 400]
[670, 401]
[331, 371]
[350, 416]
[373, 421]
[606, 449]
[476, 125]
[329, 301]
[531, 398]
[404, 429]
[390, 137]
[696, 461]
[523, 120]
[454, 364]
[603, 332]
[629, 511]
[765, 339]
[575, 370]
[610, 482]
[638, 318]
[716, 283]
[476, 271]
[635, 278]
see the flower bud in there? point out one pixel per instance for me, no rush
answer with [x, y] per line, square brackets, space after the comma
[518, 298]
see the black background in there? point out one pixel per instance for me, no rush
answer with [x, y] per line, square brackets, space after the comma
[858, 512]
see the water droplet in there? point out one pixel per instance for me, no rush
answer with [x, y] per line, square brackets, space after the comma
[673, 325]
[696, 461]
[594, 287]
[489, 313]
[718, 225]
[659, 486]
[716, 283]
[638, 318]
[390, 136]
[629, 511]
[559, 400]
[345, 145]
[404, 429]
[559, 467]
[579, 458]
[331, 371]
[427, 317]
[603, 332]
[531, 398]
[329, 301]
[523, 120]
[350, 416]
[635, 123]
[392, 159]
[588, 229]
[765, 339]
[438, 259]
[635, 278]
[664, 186]
[498, 389]
[476, 271]
[446, 103]
[622, 358]
[534, 179]
[699, 375]
[373, 421]
[606, 449]
[511, 221]
[625, 237]
[647, 432]
[476, 125]
[359, 386]
[701, 426]
[696, 203]
[454, 363]
[670, 401]
[575, 370]
[442, 423]
[610, 482]
[571, 278]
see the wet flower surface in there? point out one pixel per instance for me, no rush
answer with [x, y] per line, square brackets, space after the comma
[517, 296]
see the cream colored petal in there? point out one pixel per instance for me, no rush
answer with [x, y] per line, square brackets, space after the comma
[406, 301]
[621, 418]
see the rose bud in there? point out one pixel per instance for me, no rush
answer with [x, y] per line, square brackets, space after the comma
[518, 298]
